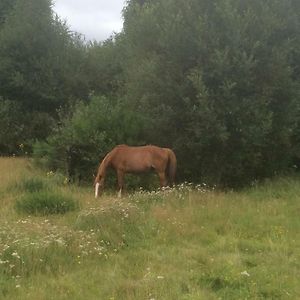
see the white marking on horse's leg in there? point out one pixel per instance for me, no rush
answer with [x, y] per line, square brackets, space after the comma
[97, 189]
[120, 193]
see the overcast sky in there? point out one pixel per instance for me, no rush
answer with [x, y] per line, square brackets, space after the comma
[96, 19]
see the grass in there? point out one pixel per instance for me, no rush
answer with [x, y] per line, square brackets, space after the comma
[45, 203]
[184, 243]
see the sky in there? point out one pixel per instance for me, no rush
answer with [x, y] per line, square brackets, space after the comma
[96, 19]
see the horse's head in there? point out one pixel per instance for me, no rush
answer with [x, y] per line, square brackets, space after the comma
[98, 184]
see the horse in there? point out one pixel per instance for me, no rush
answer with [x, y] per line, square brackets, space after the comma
[126, 159]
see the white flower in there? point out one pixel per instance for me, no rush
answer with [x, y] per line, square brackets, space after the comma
[15, 254]
[3, 261]
[245, 273]
[60, 241]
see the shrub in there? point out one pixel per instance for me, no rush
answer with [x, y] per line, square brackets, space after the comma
[44, 203]
[86, 135]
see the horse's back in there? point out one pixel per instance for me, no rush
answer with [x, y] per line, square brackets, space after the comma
[152, 149]
[123, 148]
[138, 157]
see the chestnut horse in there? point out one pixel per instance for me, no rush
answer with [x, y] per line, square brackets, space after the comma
[126, 159]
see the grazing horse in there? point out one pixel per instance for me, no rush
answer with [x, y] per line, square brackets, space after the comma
[126, 159]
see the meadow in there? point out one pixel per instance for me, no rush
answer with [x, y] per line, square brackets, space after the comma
[188, 242]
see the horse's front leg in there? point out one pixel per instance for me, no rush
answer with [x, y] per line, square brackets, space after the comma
[120, 175]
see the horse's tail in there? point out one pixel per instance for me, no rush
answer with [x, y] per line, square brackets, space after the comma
[172, 165]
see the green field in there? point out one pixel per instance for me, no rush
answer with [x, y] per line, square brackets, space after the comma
[183, 243]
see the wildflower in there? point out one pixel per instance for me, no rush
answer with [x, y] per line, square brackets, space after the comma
[60, 241]
[15, 254]
[50, 173]
[3, 262]
[245, 273]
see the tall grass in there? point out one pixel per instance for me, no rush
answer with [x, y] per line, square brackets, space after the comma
[183, 243]
[45, 203]
[12, 169]
[31, 185]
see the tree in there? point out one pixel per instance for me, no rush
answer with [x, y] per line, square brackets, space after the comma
[41, 64]
[104, 66]
[217, 80]
[5, 8]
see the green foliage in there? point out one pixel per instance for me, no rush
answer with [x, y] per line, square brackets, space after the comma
[41, 65]
[87, 135]
[5, 8]
[19, 127]
[217, 81]
[224, 77]
[12, 130]
[104, 69]
[39, 72]
[43, 202]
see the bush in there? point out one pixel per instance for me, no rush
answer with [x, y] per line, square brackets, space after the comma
[84, 138]
[44, 203]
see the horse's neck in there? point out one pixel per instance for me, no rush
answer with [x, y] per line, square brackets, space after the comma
[104, 165]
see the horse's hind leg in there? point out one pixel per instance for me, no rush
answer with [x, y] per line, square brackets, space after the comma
[120, 175]
[162, 179]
